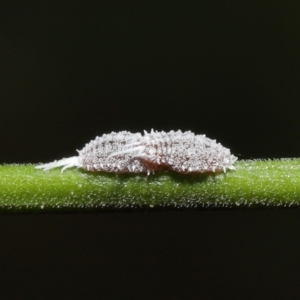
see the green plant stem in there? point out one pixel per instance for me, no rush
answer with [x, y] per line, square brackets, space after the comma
[268, 183]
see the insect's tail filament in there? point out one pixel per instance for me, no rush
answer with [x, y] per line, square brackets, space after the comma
[65, 163]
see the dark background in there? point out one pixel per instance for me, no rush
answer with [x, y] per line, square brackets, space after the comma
[71, 70]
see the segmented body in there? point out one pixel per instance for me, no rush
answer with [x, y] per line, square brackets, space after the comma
[184, 152]
[126, 152]
[96, 155]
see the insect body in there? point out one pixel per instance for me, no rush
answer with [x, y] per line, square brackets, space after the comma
[182, 152]
[95, 156]
[126, 152]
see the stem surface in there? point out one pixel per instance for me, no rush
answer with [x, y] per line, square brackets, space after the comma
[266, 183]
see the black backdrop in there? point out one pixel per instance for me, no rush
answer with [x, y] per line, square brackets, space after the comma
[73, 70]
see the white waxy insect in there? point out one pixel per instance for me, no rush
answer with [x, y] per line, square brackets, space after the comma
[126, 152]
[96, 156]
[182, 152]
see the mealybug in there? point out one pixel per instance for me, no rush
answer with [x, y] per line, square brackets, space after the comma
[126, 152]
[95, 156]
[182, 152]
